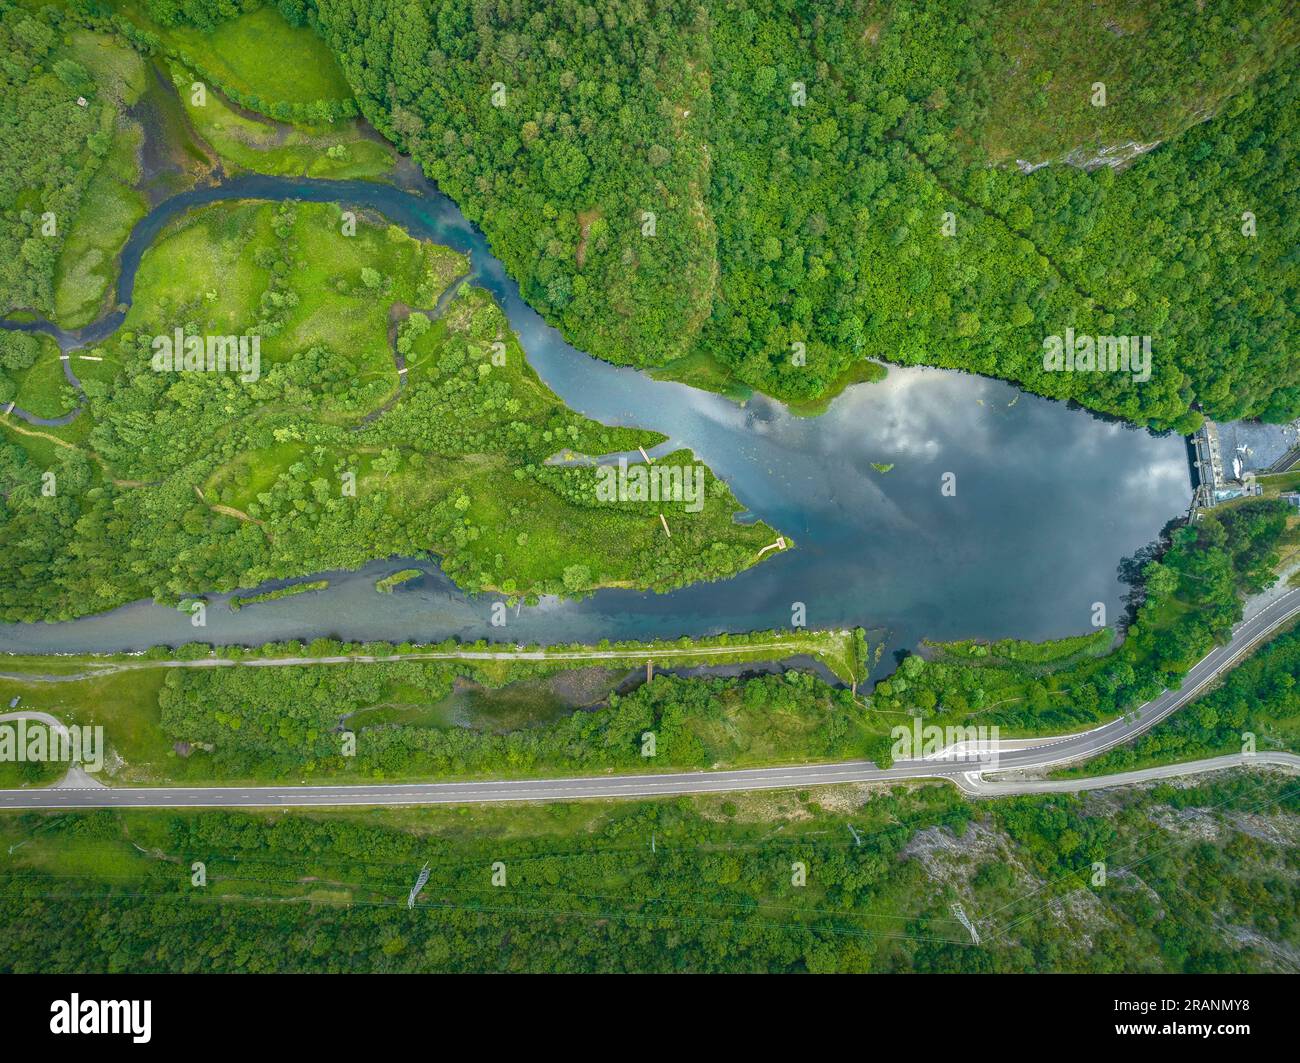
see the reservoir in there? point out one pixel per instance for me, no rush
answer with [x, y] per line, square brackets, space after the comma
[1044, 500]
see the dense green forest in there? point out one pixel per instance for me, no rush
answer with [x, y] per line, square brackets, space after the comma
[760, 192]
[1195, 880]
[799, 160]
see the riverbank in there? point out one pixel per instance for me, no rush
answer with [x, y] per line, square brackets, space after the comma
[897, 552]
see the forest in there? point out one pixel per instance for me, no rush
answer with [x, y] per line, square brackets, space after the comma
[796, 164]
[687, 885]
[765, 195]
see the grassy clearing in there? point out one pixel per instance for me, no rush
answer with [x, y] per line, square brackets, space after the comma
[44, 447]
[701, 370]
[340, 150]
[118, 69]
[15, 774]
[125, 705]
[1043, 106]
[205, 261]
[238, 482]
[257, 54]
[87, 269]
[1280, 481]
[340, 305]
[42, 388]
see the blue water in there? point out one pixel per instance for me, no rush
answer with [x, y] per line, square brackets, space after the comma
[1048, 499]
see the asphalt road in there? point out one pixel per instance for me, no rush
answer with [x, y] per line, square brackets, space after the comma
[984, 787]
[972, 776]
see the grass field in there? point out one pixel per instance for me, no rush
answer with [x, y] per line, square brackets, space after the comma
[16, 774]
[125, 705]
[44, 446]
[43, 389]
[257, 54]
[247, 142]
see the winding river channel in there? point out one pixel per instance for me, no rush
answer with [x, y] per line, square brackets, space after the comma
[1049, 499]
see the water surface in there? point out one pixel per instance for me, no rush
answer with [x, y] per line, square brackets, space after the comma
[1049, 499]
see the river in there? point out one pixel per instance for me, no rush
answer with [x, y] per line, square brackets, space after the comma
[1048, 498]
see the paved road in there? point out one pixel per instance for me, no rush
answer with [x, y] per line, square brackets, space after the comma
[985, 787]
[1286, 462]
[1022, 755]
[35, 716]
